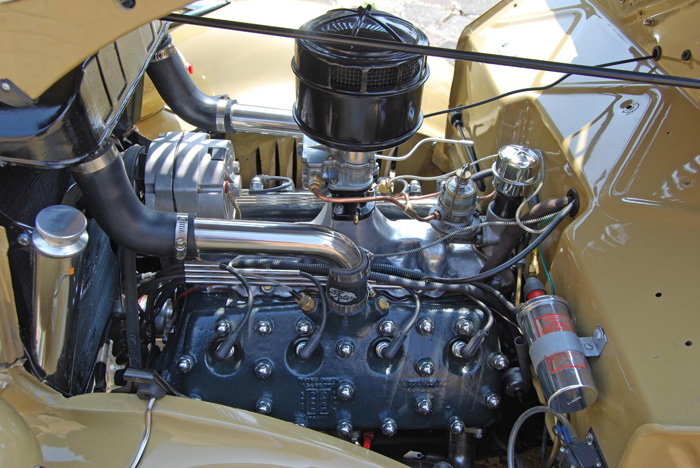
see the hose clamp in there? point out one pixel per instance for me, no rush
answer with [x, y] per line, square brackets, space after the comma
[108, 155]
[221, 106]
[164, 53]
[181, 223]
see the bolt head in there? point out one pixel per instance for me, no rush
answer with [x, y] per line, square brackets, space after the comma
[389, 427]
[493, 401]
[464, 327]
[457, 426]
[337, 209]
[344, 349]
[263, 327]
[598, 464]
[387, 328]
[304, 327]
[425, 367]
[5, 86]
[185, 364]
[383, 304]
[23, 239]
[346, 391]
[425, 326]
[263, 370]
[223, 328]
[499, 362]
[345, 429]
[263, 406]
[424, 406]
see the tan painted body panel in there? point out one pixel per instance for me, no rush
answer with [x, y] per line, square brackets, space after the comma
[105, 430]
[42, 40]
[629, 259]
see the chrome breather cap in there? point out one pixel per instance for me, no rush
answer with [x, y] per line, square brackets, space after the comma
[60, 231]
[517, 168]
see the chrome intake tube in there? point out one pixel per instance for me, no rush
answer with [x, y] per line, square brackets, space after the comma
[302, 240]
[112, 201]
[268, 120]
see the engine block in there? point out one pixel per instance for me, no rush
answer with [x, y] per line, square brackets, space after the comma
[345, 381]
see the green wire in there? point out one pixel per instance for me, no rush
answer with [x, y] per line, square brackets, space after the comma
[544, 265]
[546, 271]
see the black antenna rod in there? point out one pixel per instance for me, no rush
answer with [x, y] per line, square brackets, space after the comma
[585, 70]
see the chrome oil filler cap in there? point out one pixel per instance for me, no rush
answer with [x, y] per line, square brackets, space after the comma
[516, 169]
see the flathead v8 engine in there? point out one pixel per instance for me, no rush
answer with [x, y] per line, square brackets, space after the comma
[371, 351]
[354, 303]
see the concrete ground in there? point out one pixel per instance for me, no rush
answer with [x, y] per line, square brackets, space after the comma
[441, 20]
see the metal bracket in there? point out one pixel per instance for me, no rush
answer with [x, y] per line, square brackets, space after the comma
[150, 384]
[585, 454]
[593, 345]
[19, 235]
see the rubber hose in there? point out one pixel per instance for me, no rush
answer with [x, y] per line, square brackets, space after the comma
[173, 82]
[113, 203]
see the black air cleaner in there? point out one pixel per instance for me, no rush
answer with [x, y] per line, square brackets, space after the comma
[356, 98]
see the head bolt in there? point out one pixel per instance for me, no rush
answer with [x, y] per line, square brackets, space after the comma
[387, 328]
[499, 362]
[263, 406]
[185, 364]
[345, 429]
[383, 304]
[425, 326]
[23, 239]
[5, 86]
[263, 369]
[424, 406]
[456, 426]
[425, 367]
[304, 327]
[493, 401]
[263, 327]
[344, 349]
[381, 346]
[223, 328]
[346, 391]
[337, 209]
[464, 327]
[389, 427]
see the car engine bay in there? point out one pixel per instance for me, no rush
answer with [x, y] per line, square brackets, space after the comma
[405, 313]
